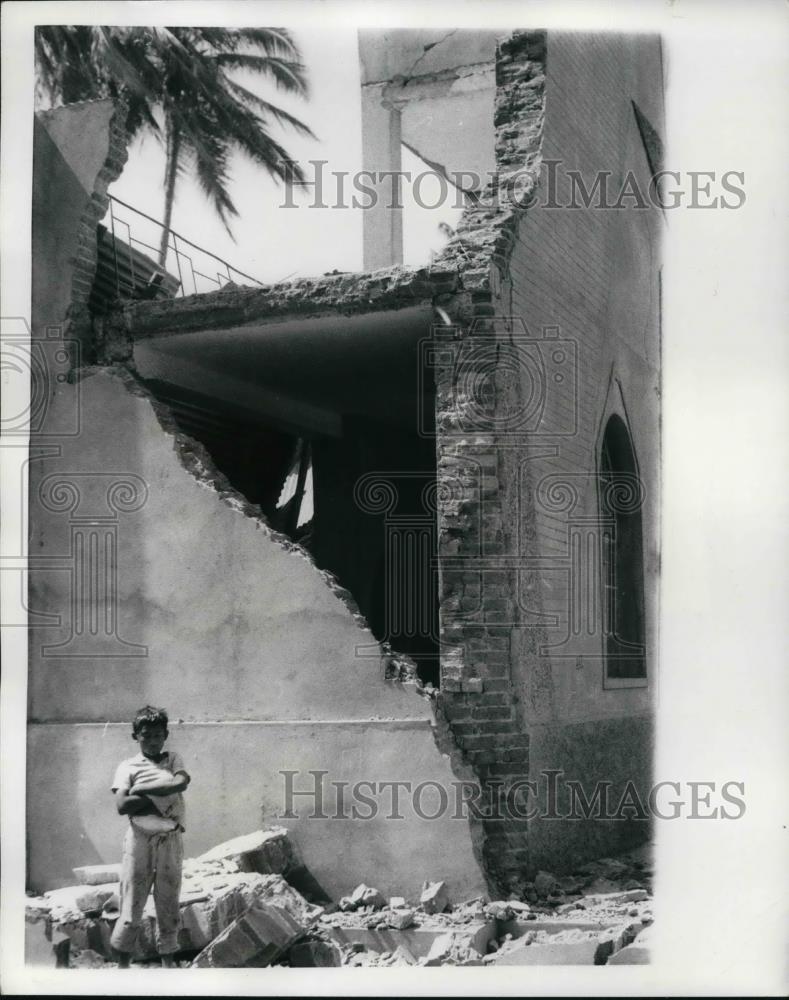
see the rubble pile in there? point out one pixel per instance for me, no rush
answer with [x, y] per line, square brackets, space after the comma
[239, 907]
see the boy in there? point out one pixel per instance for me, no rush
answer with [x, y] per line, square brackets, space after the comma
[147, 789]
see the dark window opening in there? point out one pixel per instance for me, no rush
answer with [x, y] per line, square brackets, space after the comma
[622, 556]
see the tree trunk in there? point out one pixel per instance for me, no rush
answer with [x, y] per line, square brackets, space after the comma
[170, 174]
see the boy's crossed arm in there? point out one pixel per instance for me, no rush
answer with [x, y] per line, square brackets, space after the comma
[153, 781]
[129, 803]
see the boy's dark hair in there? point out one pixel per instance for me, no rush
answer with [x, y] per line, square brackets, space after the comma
[149, 716]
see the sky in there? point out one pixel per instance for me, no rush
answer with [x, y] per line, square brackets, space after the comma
[272, 243]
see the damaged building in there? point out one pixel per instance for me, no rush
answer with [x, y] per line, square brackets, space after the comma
[392, 526]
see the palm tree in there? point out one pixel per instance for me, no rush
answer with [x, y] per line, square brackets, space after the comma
[178, 84]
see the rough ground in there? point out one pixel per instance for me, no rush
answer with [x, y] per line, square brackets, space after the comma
[248, 903]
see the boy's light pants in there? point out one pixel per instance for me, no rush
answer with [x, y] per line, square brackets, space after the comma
[149, 859]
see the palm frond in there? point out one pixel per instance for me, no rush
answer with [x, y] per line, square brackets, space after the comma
[287, 74]
[281, 116]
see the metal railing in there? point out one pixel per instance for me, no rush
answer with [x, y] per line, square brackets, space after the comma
[188, 273]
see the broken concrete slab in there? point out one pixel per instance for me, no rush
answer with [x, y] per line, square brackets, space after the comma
[257, 938]
[637, 952]
[74, 900]
[43, 946]
[562, 954]
[434, 897]
[632, 954]
[268, 852]
[417, 939]
[518, 928]
[97, 874]
[218, 900]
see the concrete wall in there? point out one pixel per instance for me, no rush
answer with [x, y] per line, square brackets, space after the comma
[236, 786]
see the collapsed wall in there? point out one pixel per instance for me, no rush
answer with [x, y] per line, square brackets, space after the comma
[152, 581]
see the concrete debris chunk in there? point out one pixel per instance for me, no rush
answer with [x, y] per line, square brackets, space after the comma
[362, 896]
[256, 939]
[434, 897]
[315, 954]
[210, 902]
[452, 949]
[87, 959]
[372, 897]
[227, 897]
[97, 874]
[94, 899]
[400, 918]
[500, 910]
[268, 852]
[397, 901]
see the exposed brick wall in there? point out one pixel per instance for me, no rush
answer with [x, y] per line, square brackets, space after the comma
[583, 276]
[86, 247]
[478, 584]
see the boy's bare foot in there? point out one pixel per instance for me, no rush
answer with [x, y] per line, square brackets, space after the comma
[124, 958]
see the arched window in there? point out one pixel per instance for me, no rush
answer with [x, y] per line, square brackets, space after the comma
[621, 498]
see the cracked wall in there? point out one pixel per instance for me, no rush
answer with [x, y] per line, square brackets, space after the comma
[151, 580]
